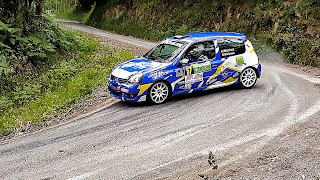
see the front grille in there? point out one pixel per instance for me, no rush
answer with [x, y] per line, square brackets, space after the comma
[115, 92]
[120, 80]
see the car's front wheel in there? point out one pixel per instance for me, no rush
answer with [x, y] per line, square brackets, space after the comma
[248, 78]
[158, 93]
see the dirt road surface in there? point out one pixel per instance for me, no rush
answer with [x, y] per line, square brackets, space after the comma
[245, 129]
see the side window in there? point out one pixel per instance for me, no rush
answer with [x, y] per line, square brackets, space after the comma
[202, 51]
[231, 47]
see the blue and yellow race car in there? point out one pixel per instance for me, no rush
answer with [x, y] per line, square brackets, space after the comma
[185, 64]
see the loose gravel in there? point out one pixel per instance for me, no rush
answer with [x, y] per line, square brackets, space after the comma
[295, 154]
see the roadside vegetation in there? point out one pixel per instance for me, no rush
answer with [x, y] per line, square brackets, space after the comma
[77, 10]
[44, 69]
[213, 166]
[289, 27]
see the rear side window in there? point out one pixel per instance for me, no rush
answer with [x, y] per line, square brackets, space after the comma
[231, 47]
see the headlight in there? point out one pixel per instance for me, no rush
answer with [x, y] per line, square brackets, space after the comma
[136, 79]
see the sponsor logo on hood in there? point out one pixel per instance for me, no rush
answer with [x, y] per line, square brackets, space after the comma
[127, 69]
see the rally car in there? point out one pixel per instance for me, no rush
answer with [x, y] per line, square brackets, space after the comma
[185, 64]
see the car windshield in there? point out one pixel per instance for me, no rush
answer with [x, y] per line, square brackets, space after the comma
[164, 52]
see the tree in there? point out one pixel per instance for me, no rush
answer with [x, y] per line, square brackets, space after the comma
[19, 11]
[86, 4]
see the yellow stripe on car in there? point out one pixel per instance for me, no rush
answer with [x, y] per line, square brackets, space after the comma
[233, 69]
[230, 79]
[143, 88]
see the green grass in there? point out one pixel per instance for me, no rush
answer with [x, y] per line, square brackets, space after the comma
[70, 77]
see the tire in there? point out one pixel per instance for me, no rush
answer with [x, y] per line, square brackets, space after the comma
[158, 93]
[248, 78]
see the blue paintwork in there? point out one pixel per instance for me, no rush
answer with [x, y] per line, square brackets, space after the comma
[259, 70]
[153, 72]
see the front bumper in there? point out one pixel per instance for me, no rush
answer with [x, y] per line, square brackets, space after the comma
[125, 92]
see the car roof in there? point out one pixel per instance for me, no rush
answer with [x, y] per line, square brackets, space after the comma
[208, 35]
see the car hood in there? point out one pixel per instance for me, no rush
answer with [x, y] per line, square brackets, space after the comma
[129, 68]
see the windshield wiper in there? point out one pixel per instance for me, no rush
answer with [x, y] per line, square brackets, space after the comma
[164, 57]
[148, 57]
[158, 58]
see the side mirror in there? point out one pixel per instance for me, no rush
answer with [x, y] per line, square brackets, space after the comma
[184, 61]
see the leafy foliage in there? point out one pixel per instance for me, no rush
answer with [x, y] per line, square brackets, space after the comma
[20, 56]
[212, 161]
[212, 164]
[44, 69]
[72, 9]
[56, 86]
[291, 27]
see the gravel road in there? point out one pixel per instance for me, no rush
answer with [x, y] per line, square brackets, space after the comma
[172, 141]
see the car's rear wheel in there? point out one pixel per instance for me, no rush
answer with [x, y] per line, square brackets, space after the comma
[248, 78]
[158, 93]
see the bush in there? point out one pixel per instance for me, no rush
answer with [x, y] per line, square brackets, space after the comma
[44, 70]
[291, 27]
[55, 87]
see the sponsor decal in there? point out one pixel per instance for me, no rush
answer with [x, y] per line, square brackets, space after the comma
[239, 60]
[190, 79]
[125, 90]
[188, 70]
[175, 44]
[185, 87]
[211, 81]
[225, 74]
[201, 68]
[236, 75]
[157, 74]
[181, 82]
[228, 52]
[225, 65]
[179, 72]
[136, 65]
[214, 66]
[197, 68]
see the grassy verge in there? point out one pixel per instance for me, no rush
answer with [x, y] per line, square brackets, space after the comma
[56, 86]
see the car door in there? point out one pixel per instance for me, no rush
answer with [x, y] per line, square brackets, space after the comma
[201, 57]
[231, 52]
